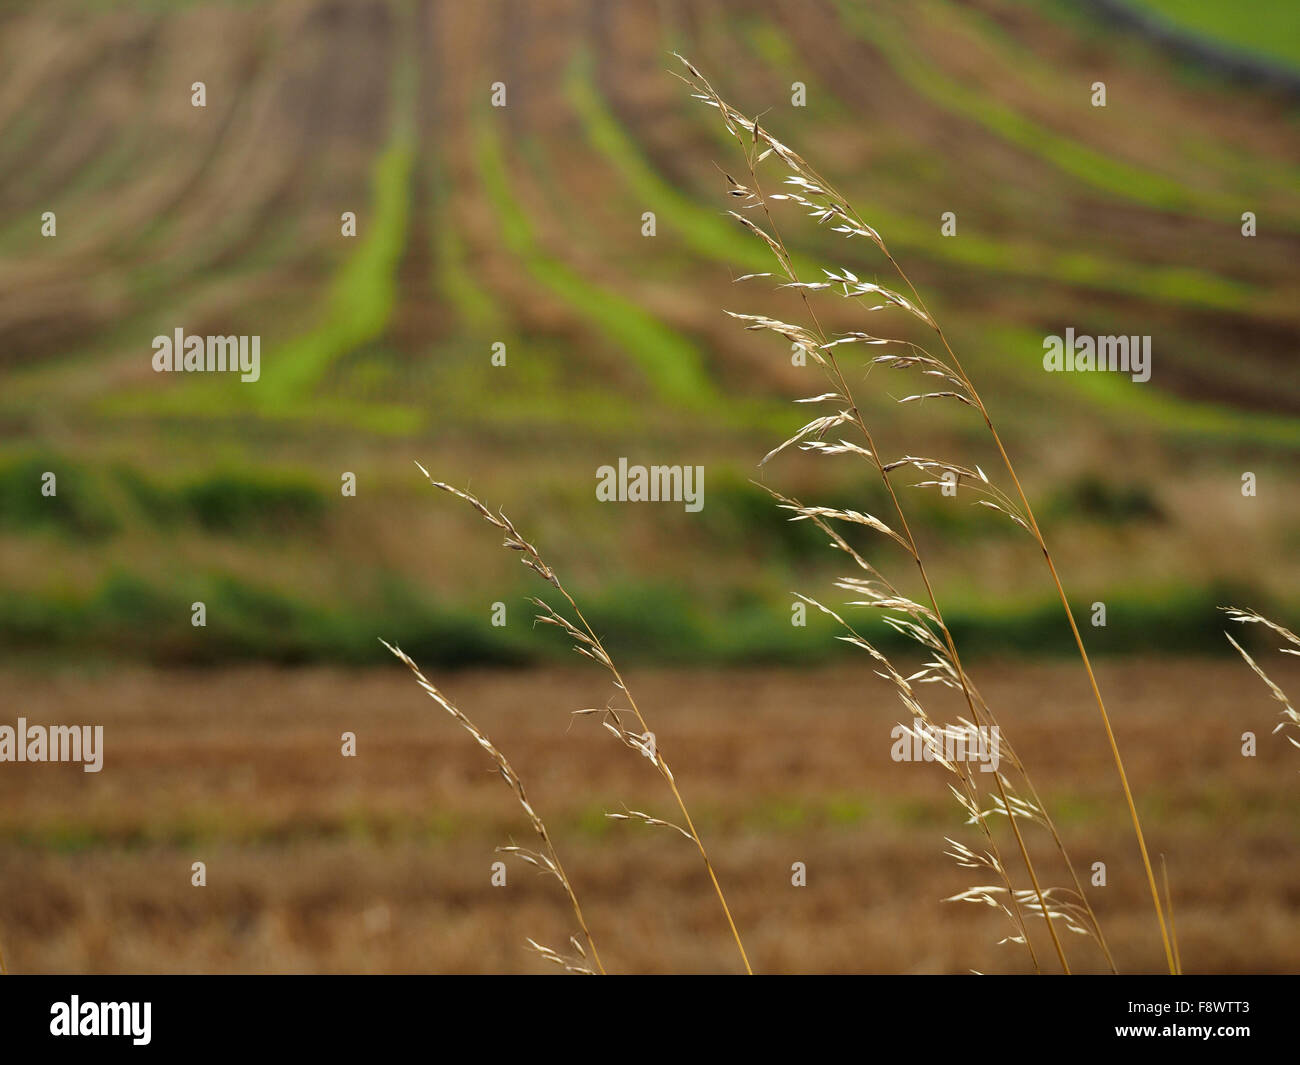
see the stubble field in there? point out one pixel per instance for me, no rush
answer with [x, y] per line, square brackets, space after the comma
[382, 862]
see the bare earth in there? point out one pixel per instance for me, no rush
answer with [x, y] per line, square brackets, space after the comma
[382, 862]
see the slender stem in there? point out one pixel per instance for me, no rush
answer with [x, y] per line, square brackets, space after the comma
[516, 784]
[1060, 846]
[735, 123]
[577, 909]
[544, 832]
[533, 559]
[662, 764]
[972, 793]
[965, 687]
[1096, 691]
[1078, 884]
[1169, 905]
[843, 386]
[1065, 604]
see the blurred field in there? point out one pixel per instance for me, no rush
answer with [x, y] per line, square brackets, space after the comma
[381, 863]
[522, 225]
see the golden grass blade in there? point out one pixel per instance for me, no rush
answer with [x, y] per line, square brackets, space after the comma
[822, 202]
[550, 860]
[590, 646]
[1169, 907]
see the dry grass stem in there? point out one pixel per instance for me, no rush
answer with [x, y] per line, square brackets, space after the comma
[589, 645]
[808, 190]
[547, 860]
[1290, 718]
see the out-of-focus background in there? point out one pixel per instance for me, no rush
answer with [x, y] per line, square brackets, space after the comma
[523, 226]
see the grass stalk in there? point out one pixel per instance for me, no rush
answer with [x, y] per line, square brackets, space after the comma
[825, 203]
[589, 645]
[549, 861]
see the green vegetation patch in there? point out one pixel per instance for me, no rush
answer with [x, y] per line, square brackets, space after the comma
[671, 363]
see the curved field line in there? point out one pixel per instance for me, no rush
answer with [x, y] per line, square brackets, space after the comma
[672, 364]
[1115, 397]
[1247, 174]
[1118, 179]
[364, 292]
[361, 299]
[452, 277]
[360, 304]
[1270, 31]
[713, 235]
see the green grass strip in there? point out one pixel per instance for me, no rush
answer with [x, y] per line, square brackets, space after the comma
[673, 366]
[713, 235]
[1111, 176]
[1268, 28]
[363, 294]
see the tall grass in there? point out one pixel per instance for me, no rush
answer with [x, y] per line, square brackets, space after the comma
[627, 724]
[924, 621]
[1290, 717]
[547, 859]
[917, 617]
